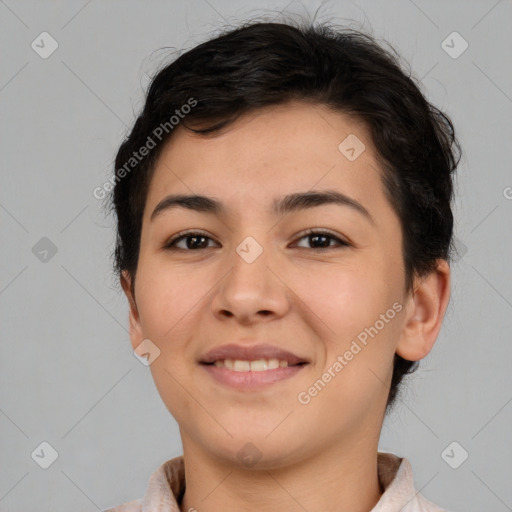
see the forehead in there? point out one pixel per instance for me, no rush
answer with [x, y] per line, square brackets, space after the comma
[269, 153]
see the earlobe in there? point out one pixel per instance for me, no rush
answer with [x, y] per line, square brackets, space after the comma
[136, 335]
[425, 312]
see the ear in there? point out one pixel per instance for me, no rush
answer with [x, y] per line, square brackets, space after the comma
[136, 334]
[425, 311]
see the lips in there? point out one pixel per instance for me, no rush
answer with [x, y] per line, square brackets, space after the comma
[251, 353]
[251, 368]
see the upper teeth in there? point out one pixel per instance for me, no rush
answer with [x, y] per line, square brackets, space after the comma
[258, 365]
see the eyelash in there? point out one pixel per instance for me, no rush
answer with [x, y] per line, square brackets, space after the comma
[170, 245]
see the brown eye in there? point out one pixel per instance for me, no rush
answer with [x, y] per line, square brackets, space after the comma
[194, 240]
[322, 240]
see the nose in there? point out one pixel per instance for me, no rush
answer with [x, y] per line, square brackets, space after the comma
[252, 290]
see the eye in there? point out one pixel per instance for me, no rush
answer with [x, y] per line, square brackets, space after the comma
[322, 239]
[197, 240]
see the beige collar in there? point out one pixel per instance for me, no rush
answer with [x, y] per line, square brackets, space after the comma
[167, 485]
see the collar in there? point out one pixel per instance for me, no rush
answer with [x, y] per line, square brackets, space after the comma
[167, 485]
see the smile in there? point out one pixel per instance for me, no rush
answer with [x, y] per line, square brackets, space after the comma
[259, 365]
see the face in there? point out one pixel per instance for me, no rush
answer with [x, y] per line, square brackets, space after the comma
[321, 279]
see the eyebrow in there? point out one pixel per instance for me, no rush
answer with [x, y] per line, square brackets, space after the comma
[280, 206]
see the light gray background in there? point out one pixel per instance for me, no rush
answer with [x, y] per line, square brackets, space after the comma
[68, 374]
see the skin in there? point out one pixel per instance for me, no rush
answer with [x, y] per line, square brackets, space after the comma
[321, 456]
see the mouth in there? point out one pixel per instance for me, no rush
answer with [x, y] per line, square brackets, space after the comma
[257, 365]
[247, 368]
[260, 355]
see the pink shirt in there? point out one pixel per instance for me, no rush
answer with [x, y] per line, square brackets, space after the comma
[167, 485]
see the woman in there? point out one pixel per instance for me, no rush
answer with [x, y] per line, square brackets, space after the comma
[284, 228]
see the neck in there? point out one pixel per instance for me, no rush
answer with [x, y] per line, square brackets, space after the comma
[343, 478]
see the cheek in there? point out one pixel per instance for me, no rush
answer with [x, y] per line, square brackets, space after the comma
[170, 301]
[358, 324]
[168, 298]
[346, 298]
